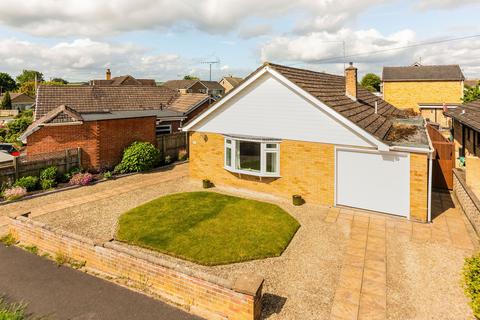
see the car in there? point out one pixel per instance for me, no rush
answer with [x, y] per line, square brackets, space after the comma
[10, 149]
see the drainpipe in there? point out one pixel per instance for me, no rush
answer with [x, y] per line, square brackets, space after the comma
[429, 204]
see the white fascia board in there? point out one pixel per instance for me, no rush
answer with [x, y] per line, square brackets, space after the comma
[234, 92]
[346, 122]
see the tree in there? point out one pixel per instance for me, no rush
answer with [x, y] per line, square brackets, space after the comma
[29, 76]
[190, 77]
[471, 93]
[6, 82]
[28, 88]
[6, 102]
[59, 80]
[371, 80]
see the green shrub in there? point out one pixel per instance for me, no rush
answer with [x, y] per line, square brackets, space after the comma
[48, 178]
[67, 176]
[49, 173]
[471, 279]
[48, 184]
[30, 183]
[108, 175]
[139, 156]
[8, 240]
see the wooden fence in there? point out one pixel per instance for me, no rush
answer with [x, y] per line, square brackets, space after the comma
[443, 161]
[24, 165]
[171, 144]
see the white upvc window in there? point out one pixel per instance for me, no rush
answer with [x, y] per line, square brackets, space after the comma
[252, 156]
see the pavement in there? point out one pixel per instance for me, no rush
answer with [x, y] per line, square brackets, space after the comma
[65, 293]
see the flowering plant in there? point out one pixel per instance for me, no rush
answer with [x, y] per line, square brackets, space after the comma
[14, 193]
[81, 179]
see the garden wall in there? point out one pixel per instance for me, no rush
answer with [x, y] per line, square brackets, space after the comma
[468, 200]
[199, 293]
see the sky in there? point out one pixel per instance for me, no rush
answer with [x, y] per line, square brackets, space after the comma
[167, 39]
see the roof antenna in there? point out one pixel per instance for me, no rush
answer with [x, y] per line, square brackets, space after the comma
[210, 63]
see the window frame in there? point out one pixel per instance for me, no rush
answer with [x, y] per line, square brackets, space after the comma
[163, 125]
[232, 144]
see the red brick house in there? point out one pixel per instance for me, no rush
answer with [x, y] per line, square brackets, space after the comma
[104, 119]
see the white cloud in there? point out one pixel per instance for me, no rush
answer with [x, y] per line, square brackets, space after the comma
[314, 51]
[84, 59]
[92, 17]
[443, 4]
[254, 31]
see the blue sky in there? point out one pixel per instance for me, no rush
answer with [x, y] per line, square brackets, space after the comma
[165, 39]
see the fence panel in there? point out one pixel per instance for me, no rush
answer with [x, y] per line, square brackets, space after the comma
[26, 165]
[443, 161]
[171, 144]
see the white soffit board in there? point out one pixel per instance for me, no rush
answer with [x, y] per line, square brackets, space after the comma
[373, 181]
[268, 108]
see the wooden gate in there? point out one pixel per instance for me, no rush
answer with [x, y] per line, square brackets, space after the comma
[443, 160]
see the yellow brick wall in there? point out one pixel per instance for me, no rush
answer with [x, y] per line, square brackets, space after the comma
[418, 187]
[406, 95]
[307, 168]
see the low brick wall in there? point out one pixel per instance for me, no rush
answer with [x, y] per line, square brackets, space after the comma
[199, 293]
[468, 200]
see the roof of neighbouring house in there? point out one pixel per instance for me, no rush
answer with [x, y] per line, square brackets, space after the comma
[472, 82]
[212, 85]
[20, 96]
[234, 81]
[330, 89]
[126, 80]
[189, 101]
[468, 114]
[423, 73]
[179, 84]
[89, 99]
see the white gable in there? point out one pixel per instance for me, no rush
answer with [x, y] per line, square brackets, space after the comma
[268, 108]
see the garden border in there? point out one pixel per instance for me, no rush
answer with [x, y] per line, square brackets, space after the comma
[199, 293]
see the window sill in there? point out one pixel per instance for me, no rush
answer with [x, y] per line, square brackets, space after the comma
[253, 173]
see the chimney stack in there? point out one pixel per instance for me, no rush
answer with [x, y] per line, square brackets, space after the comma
[351, 82]
[108, 75]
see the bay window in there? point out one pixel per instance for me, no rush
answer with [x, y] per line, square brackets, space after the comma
[257, 157]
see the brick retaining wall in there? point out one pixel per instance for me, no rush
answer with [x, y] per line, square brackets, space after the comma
[200, 293]
[468, 200]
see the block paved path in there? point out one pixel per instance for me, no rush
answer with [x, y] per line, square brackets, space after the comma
[65, 293]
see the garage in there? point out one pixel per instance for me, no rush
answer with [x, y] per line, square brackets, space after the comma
[377, 181]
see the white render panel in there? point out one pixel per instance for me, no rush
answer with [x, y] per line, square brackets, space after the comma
[268, 108]
[373, 181]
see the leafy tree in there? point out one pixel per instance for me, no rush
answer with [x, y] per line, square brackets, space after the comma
[27, 88]
[471, 93]
[59, 80]
[6, 82]
[371, 80]
[29, 76]
[190, 77]
[17, 126]
[6, 103]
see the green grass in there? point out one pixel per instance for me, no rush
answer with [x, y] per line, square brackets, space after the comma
[12, 311]
[209, 228]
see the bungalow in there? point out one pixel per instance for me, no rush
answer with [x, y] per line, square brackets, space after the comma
[288, 131]
[103, 120]
[212, 88]
[466, 129]
[20, 101]
[424, 89]
[228, 83]
[126, 80]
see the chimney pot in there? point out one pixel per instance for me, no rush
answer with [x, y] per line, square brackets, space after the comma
[108, 75]
[351, 82]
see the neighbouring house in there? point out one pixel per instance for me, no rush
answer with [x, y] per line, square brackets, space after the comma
[102, 119]
[466, 129]
[126, 80]
[212, 88]
[287, 131]
[424, 89]
[472, 82]
[189, 105]
[20, 101]
[228, 83]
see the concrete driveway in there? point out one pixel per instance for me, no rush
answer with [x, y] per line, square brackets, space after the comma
[65, 293]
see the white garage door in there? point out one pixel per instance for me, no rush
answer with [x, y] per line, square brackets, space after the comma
[374, 181]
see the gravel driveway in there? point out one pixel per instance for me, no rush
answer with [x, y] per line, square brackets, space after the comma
[422, 274]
